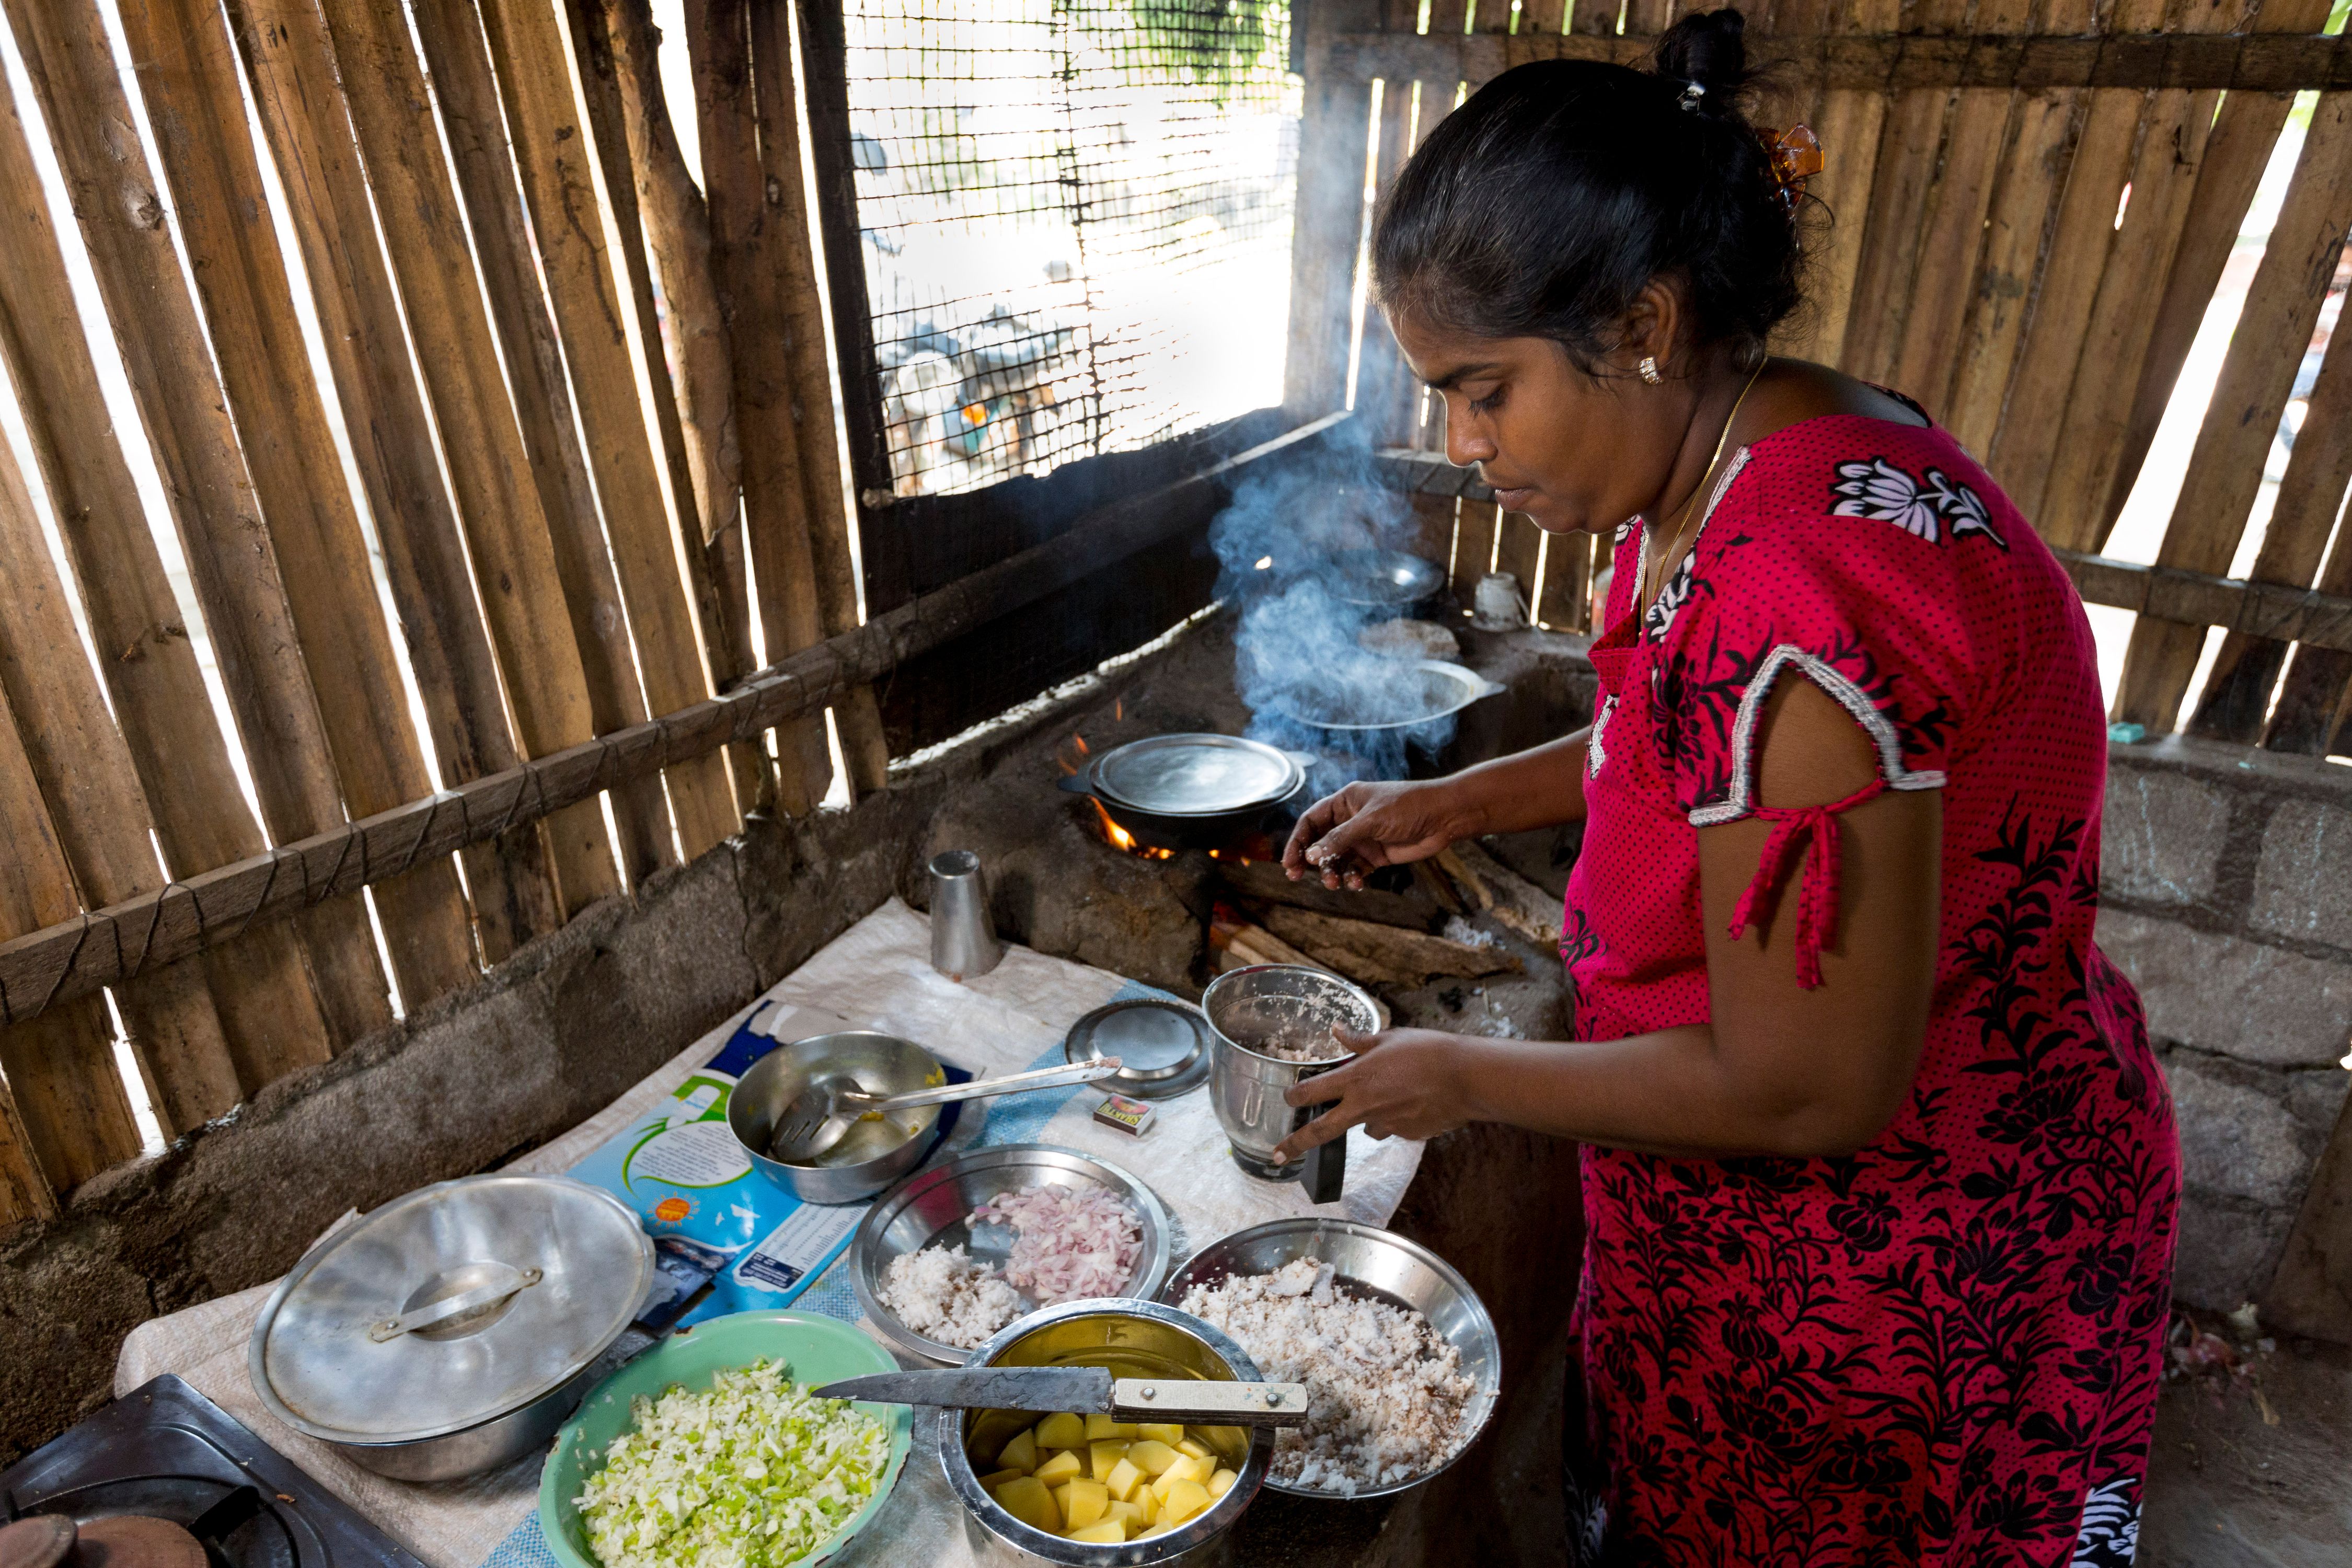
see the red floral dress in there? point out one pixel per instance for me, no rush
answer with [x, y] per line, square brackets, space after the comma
[1944, 1349]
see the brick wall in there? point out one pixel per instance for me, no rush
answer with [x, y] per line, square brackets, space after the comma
[2227, 896]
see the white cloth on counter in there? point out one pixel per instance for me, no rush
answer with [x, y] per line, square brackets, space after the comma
[875, 976]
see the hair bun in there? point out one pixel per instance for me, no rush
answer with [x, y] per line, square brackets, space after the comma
[1707, 49]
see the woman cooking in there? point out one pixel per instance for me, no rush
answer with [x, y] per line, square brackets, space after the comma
[1879, 1173]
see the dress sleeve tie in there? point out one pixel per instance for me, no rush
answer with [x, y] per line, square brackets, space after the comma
[1794, 830]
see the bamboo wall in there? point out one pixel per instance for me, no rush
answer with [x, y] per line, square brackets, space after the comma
[588, 418]
[575, 390]
[1984, 257]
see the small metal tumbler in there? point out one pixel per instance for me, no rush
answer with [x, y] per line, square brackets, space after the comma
[963, 937]
[1495, 603]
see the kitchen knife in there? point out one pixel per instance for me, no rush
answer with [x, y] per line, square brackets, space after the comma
[1084, 1391]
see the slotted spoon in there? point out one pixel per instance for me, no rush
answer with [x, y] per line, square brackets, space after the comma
[829, 1106]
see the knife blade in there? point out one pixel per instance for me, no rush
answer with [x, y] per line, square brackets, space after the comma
[1084, 1391]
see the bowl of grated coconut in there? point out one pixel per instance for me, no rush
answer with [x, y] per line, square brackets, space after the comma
[1400, 1358]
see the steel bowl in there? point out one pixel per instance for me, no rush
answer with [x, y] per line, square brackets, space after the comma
[1378, 1265]
[875, 1154]
[1382, 579]
[930, 1209]
[1134, 1339]
[1421, 691]
[1244, 1007]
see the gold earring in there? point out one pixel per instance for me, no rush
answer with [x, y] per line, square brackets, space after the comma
[1649, 369]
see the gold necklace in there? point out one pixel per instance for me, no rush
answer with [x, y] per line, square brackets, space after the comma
[1642, 578]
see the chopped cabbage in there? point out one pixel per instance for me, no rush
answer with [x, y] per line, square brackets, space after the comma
[753, 1474]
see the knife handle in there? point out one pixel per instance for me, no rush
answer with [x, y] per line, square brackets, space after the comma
[1210, 1404]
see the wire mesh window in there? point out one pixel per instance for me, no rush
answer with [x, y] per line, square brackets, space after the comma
[1076, 221]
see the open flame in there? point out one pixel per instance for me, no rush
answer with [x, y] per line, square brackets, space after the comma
[1120, 838]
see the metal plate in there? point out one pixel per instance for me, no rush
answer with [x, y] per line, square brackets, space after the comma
[929, 1207]
[1195, 774]
[313, 1364]
[1388, 578]
[1165, 1046]
[1378, 1265]
[1421, 691]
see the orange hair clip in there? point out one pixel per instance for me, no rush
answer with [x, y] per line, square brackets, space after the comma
[1795, 156]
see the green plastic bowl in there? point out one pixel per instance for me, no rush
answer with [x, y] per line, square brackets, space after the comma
[817, 1349]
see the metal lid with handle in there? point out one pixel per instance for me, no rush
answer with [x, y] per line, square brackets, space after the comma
[449, 1307]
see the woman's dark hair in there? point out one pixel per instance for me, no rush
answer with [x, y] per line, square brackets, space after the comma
[1543, 205]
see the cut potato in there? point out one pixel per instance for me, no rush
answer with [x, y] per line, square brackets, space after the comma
[1147, 1505]
[1062, 1431]
[1171, 1433]
[1104, 1457]
[1123, 1479]
[1151, 1455]
[1107, 1533]
[1027, 1500]
[1185, 1500]
[1101, 1427]
[1222, 1482]
[995, 1479]
[1064, 1465]
[1194, 1448]
[1021, 1454]
[1082, 1503]
[1128, 1514]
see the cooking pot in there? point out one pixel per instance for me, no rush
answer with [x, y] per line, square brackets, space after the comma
[1134, 1339]
[1191, 791]
[450, 1331]
[1388, 581]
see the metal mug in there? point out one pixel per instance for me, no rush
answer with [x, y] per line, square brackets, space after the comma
[964, 938]
[1246, 1087]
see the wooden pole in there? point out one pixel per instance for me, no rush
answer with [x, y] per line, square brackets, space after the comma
[187, 69]
[555, 151]
[466, 89]
[482, 438]
[802, 308]
[700, 427]
[71, 960]
[744, 238]
[202, 820]
[1329, 218]
[290, 62]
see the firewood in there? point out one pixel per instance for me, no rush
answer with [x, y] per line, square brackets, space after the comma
[1383, 955]
[1263, 882]
[1500, 891]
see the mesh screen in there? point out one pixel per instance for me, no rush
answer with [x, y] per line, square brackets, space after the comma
[1076, 221]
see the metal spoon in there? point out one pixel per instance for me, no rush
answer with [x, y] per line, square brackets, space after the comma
[828, 1108]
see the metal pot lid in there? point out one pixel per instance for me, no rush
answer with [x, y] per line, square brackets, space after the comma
[449, 1307]
[1164, 1045]
[1195, 774]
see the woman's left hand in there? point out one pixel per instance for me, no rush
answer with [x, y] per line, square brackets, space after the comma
[1404, 1083]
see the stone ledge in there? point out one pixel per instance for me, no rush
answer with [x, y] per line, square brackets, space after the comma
[2302, 885]
[2230, 995]
[2163, 834]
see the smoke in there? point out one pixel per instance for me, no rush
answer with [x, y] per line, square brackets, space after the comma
[1289, 548]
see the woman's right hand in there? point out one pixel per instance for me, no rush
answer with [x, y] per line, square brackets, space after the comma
[1367, 826]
